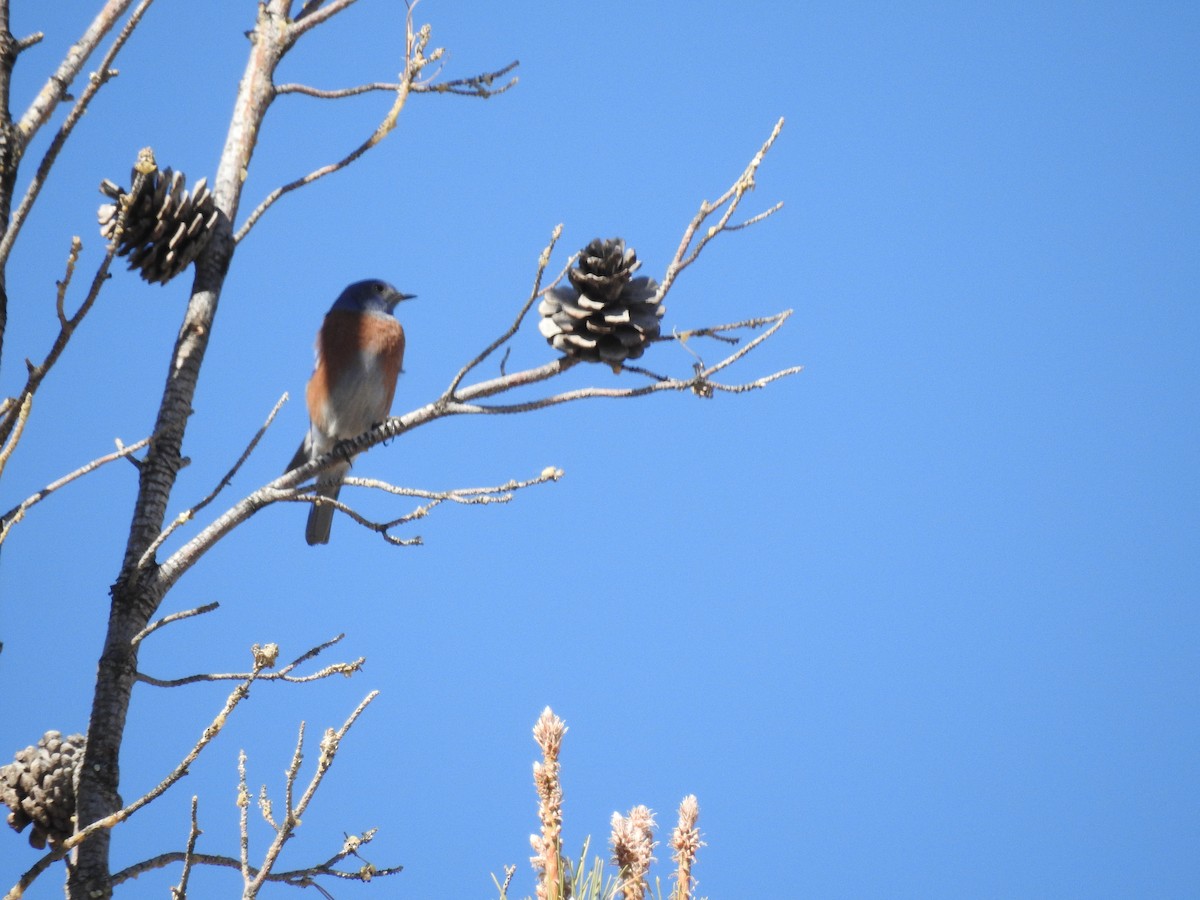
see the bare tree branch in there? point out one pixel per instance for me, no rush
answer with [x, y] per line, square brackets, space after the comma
[179, 892]
[56, 87]
[67, 325]
[295, 877]
[285, 488]
[465, 496]
[284, 674]
[26, 42]
[99, 78]
[173, 617]
[243, 803]
[457, 400]
[295, 809]
[134, 598]
[240, 693]
[188, 514]
[381, 131]
[16, 135]
[338, 93]
[686, 254]
[19, 415]
[474, 86]
[17, 513]
[543, 261]
[411, 68]
[415, 61]
[313, 14]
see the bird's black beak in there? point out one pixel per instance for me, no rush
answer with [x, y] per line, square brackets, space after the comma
[396, 298]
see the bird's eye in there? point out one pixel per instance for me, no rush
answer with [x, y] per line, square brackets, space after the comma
[378, 287]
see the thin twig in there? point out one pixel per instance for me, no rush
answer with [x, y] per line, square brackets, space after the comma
[17, 513]
[412, 66]
[747, 348]
[240, 693]
[415, 62]
[284, 674]
[686, 254]
[465, 496]
[337, 93]
[173, 617]
[313, 14]
[293, 772]
[57, 85]
[103, 74]
[475, 86]
[543, 261]
[294, 813]
[22, 416]
[189, 855]
[381, 131]
[188, 514]
[757, 382]
[32, 40]
[243, 804]
[295, 877]
[66, 329]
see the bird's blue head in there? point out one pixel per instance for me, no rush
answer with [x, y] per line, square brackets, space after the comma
[371, 296]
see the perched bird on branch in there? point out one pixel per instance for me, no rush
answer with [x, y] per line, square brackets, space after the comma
[360, 353]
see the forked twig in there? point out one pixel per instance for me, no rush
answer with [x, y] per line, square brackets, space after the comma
[284, 674]
[475, 86]
[537, 291]
[295, 877]
[296, 808]
[415, 61]
[17, 513]
[188, 514]
[483, 496]
[686, 253]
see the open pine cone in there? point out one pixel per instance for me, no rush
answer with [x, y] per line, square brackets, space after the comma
[39, 788]
[604, 314]
[165, 227]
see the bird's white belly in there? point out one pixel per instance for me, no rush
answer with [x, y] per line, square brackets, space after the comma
[358, 400]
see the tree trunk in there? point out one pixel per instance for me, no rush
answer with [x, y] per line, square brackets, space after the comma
[137, 593]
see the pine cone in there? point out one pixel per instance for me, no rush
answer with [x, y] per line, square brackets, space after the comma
[39, 788]
[165, 227]
[605, 314]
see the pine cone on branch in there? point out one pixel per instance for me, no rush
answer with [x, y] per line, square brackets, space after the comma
[165, 226]
[605, 314]
[38, 787]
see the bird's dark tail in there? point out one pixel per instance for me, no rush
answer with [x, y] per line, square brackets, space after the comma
[329, 484]
[320, 517]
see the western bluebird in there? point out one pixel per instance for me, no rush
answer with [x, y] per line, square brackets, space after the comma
[360, 351]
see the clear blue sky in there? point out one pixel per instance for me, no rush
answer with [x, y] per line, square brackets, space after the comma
[919, 622]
